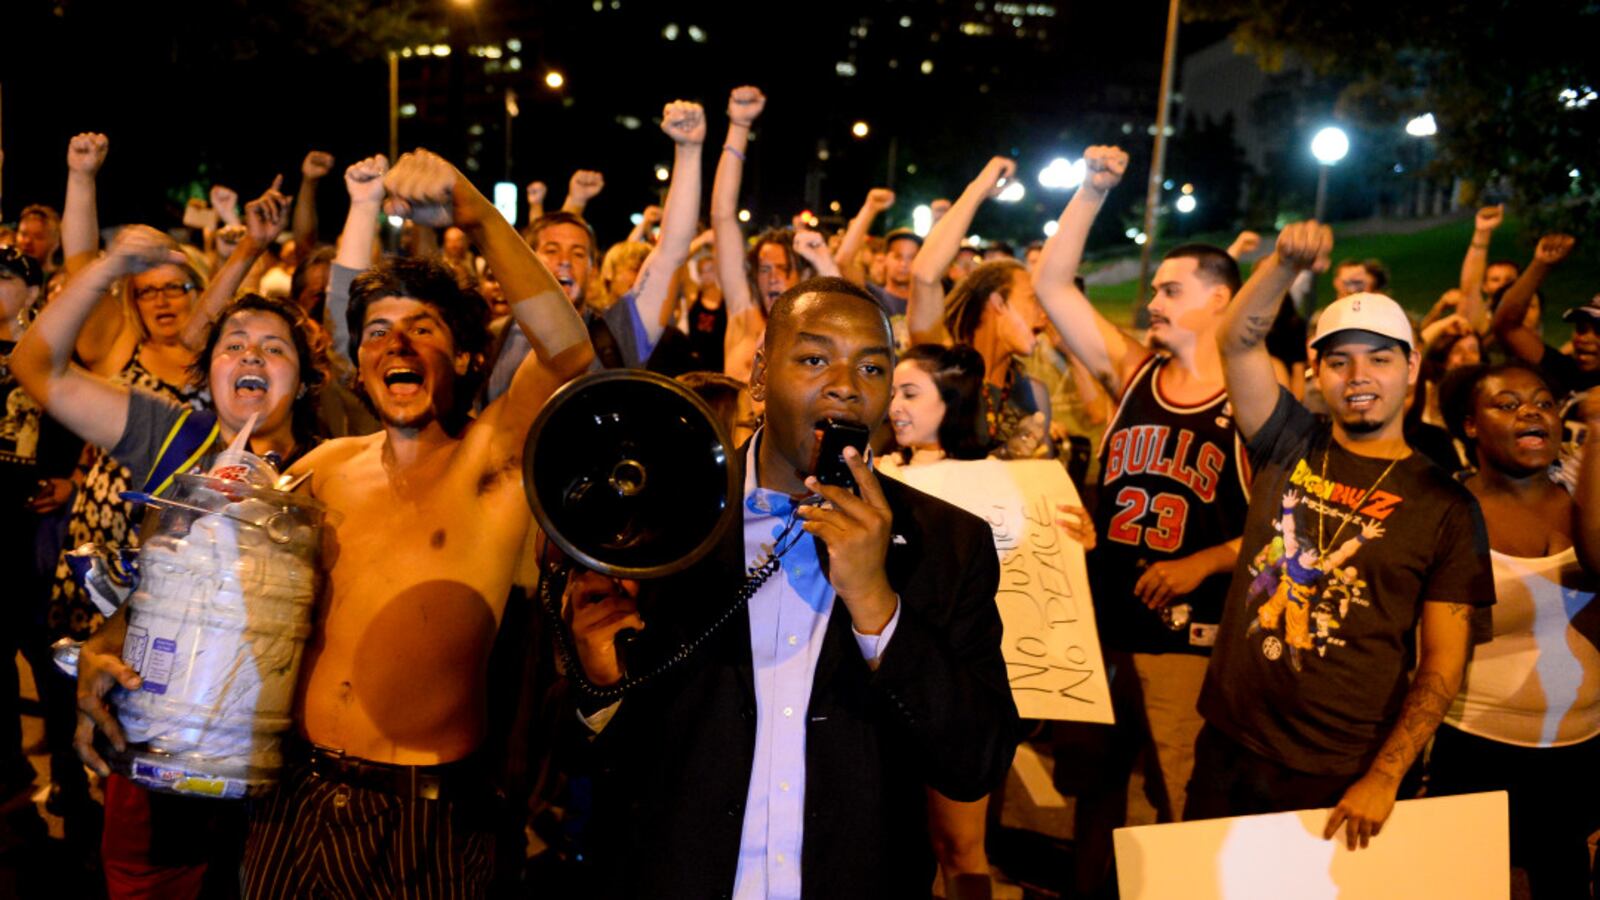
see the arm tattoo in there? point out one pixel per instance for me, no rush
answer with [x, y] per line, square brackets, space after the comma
[1460, 610]
[1255, 328]
[1424, 707]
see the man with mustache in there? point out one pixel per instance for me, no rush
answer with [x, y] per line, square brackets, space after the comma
[1172, 487]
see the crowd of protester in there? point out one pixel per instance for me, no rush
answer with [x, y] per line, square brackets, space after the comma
[1340, 556]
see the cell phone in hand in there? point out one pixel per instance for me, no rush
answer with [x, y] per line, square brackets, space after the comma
[833, 435]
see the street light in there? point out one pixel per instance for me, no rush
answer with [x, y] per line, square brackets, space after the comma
[554, 80]
[922, 220]
[859, 129]
[1062, 174]
[1329, 146]
[1184, 204]
[1013, 192]
[1422, 126]
[663, 173]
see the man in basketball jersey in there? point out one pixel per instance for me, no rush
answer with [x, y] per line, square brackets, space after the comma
[1172, 494]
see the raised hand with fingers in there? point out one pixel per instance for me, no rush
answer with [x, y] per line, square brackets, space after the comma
[879, 199]
[745, 104]
[995, 175]
[1490, 217]
[812, 247]
[317, 164]
[100, 669]
[684, 122]
[364, 180]
[585, 185]
[1302, 244]
[86, 152]
[426, 188]
[266, 216]
[1103, 168]
[1553, 248]
[1246, 243]
[140, 248]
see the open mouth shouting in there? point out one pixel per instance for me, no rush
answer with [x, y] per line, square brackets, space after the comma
[1361, 402]
[250, 386]
[403, 381]
[1535, 437]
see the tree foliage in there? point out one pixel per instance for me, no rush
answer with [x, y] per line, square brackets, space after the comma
[1492, 72]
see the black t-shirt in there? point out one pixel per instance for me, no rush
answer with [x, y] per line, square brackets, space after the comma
[33, 446]
[1316, 646]
[707, 329]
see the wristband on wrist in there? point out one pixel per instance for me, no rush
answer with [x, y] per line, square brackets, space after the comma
[736, 154]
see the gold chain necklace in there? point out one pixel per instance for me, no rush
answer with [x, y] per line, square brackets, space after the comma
[1322, 548]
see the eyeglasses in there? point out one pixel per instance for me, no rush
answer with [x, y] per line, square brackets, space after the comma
[171, 291]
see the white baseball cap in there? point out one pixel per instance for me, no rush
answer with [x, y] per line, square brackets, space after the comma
[1365, 312]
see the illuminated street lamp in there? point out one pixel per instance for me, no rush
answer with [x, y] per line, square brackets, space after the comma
[1329, 145]
[1185, 204]
[859, 129]
[922, 220]
[1062, 174]
[554, 80]
[1013, 192]
[1422, 126]
[663, 173]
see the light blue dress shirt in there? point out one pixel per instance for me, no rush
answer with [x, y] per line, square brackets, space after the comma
[788, 620]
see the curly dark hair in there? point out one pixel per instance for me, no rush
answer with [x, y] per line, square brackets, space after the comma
[427, 281]
[303, 417]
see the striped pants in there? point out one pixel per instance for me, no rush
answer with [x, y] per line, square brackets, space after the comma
[316, 837]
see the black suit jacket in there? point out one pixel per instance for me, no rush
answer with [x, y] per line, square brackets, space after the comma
[672, 768]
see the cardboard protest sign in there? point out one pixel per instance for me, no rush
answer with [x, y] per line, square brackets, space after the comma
[1457, 847]
[1052, 650]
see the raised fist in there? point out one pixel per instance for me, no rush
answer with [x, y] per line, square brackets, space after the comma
[745, 104]
[1103, 168]
[1302, 244]
[536, 193]
[423, 187]
[364, 180]
[1490, 217]
[226, 202]
[228, 237]
[86, 152]
[651, 214]
[684, 122]
[266, 216]
[939, 207]
[317, 164]
[140, 248]
[879, 199]
[994, 176]
[585, 185]
[1553, 248]
[810, 244]
[1246, 243]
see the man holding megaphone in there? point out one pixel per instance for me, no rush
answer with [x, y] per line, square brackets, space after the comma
[789, 755]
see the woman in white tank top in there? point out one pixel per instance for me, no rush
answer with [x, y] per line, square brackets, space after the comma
[1527, 719]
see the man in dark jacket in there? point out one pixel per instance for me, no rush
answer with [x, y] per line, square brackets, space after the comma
[789, 756]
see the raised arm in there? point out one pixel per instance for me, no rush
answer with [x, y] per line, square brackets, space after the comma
[1107, 353]
[1475, 263]
[925, 309]
[363, 181]
[92, 407]
[536, 192]
[878, 200]
[744, 105]
[648, 219]
[430, 190]
[264, 219]
[581, 188]
[685, 123]
[812, 247]
[80, 215]
[1511, 315]
[1246, 365]
[313, 169]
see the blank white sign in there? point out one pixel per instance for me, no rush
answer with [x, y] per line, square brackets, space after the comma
[1457, 847]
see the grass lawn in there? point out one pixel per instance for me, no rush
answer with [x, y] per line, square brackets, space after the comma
[1424, 265]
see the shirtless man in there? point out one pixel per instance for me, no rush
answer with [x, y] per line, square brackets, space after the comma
[429, 517]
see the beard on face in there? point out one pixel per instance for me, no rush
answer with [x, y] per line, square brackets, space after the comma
[1360, 425]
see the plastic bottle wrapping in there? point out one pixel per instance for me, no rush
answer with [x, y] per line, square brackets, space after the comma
[216, 630]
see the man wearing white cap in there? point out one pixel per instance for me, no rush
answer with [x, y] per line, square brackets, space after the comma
[1351, 541]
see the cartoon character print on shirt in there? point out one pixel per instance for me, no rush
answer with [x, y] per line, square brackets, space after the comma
[1303, 587]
